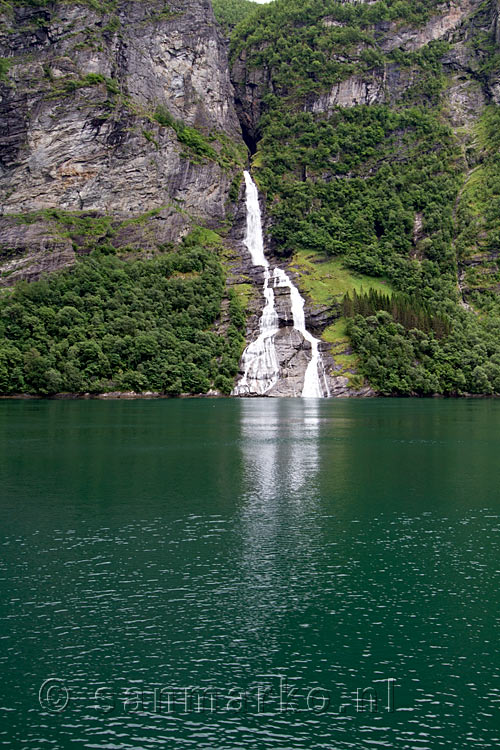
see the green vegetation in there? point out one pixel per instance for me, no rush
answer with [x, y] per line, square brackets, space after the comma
[67, 86]
[379, 190]
[294, 39]
[137, 325]
[243, 287]
[190, 137]
[229, 13]
[148, 135]
[398, 361]
[199, 146]
[346, 362]
[365, 208]
[327, 280]
[244, 293]
[350, 182]
[234, 190]
[478, 215]
[410, 313]
[4, 68]
[484, 42]
[88, 231]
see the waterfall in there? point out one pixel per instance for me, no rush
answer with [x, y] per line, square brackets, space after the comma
[312, 383]
[260, 363]
[261, 369]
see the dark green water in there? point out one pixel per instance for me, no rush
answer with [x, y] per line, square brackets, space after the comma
[233, 544]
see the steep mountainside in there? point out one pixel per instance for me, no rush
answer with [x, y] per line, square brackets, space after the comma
[116, 109]
[120, 151]
[375, 132]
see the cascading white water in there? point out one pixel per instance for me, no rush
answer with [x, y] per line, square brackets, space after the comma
[260, 362]
[312, 383]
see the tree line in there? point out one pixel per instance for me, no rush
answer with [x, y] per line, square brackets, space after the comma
[408, 311]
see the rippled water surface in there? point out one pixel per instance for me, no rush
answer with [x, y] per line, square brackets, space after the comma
[153, 550]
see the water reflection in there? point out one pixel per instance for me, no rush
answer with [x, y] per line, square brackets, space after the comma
[281, 464]
[280, 446]
[337, 543]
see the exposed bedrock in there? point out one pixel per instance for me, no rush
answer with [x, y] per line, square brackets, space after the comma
[79, 106]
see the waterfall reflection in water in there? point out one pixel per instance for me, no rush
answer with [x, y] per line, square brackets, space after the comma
[280, 466]
[280, 449]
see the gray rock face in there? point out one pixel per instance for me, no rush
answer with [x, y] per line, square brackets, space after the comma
[78, 107]
[250, 86]
[294, 356]
[29, 251]
[350, 93]
[386, 84]
[445, 21]
[465, 99]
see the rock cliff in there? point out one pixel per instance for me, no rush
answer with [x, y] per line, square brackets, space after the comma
[459, 22]
[117, 109]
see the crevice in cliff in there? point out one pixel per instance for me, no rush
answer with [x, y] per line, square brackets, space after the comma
[247, 121]
[250, 138]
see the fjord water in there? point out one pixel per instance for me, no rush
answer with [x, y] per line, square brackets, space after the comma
[225, 544]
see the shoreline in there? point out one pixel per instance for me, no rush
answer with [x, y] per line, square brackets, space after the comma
[152, 396]
[107, 396]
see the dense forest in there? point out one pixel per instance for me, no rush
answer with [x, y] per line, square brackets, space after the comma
[113, 324]
[391, 187]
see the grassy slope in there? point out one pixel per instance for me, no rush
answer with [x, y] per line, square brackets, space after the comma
[326, 282]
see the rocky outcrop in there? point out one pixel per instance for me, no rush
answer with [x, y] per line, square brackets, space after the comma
[384, 84]
[352, 92]
[447, 18]
[32, 246]
[294, 355]
[388, 84]
[292, 350]
[29, 251]
[118, 113]
[250, 87]
[465, 100]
